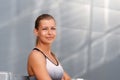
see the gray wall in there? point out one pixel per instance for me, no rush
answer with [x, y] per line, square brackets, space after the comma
[88, 38]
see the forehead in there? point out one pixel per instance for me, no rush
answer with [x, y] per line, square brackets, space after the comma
[47, 22]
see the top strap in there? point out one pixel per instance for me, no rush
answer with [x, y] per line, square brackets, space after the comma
[39, 51]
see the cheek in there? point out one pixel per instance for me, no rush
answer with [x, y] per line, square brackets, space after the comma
[55, 33]
[42, 33]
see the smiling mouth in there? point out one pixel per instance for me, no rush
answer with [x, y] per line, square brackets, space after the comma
[50, 38]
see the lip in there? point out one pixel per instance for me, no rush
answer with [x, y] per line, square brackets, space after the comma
[49, 38]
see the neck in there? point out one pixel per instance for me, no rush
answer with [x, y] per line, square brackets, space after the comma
[46, 48]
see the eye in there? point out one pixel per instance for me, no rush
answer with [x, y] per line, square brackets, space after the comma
[53, 28]
[44, 28]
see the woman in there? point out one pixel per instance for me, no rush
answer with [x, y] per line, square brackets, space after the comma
[42, 63]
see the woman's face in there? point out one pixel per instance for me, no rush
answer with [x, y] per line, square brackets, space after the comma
[46, 31]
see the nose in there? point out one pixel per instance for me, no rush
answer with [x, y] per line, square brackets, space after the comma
[49, 31]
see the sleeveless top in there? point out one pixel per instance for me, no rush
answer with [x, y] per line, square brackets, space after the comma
[55, 71]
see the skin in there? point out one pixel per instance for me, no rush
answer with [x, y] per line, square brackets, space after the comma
[46, 34]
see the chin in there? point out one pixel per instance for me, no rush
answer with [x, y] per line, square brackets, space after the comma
[49, 42]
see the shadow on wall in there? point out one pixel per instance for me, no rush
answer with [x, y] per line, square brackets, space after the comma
[108, 71]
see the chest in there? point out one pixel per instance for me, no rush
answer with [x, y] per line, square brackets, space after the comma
[55, 71]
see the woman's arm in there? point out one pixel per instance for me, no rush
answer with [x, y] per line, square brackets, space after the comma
[37, 64]
[66, 76]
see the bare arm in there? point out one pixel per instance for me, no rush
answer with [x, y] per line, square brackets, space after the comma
[66, 76]
[37, 65]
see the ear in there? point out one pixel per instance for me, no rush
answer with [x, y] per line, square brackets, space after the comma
[35, 32]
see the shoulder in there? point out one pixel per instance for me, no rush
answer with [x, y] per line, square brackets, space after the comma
[36, 57]
[35, 53]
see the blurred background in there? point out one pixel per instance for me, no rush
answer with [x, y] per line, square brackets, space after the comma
[88, 36]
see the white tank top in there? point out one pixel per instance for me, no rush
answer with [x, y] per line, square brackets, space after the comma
[55, 71]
